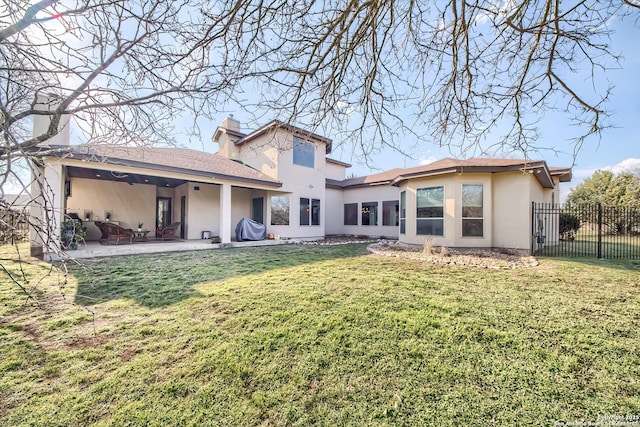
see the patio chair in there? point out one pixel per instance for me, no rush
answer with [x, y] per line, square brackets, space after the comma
[113, 233]
[168, 232]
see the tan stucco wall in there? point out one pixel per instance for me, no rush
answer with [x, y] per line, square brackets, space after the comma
[128, 203]
[241, 206]
[294, 229]
[334, 213]
[202, 209]
[380, 193]
[512, 210]
[262, 153]
[272, 154]
[452, 210]
[47, 208]
[337, 172]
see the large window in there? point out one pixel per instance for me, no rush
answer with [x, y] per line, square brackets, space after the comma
[370, 213]
[403, 212]
[309, 211]
[351, 214]
[430, 211]
[390, 211]
[303, 152]
[279, 210]
[472, 210]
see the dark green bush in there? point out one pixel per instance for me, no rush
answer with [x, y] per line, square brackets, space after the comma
[569, 225]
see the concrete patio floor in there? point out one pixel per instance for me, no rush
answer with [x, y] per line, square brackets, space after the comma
[96, 250]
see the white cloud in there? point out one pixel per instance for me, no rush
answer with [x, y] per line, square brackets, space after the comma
[426, 160]
[627, 165]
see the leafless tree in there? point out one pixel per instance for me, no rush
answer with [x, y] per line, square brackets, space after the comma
[373, 73]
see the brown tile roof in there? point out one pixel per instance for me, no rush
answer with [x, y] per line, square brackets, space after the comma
[180, 160]
[375, 179]
[449, 165]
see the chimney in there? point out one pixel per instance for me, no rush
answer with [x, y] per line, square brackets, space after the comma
[226, 146]
[231, 124]
[41, 122]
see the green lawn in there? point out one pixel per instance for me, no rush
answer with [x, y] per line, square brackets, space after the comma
[301, 335]
[585, 245]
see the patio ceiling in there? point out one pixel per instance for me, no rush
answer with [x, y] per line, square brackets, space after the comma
[130, 178]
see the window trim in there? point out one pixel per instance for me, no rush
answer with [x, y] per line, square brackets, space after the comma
[403, 212]
[418, 219]
[344, 220]
[312, 213]
[305, 216]
[463, 218]
[271, 206]
[299, 142]
[311, 203]
[362, 213]
[393, 204]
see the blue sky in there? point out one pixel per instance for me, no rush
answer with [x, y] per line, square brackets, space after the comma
[617, 149]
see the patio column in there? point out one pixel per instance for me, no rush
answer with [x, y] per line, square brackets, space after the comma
[47, 209]
[225, 213]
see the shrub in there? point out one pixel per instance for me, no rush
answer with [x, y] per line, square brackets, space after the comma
[569, 225]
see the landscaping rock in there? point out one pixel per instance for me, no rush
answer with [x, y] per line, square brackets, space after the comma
[481, 258]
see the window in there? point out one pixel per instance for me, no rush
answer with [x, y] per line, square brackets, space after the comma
[370, 213]
[309, 212]
[315, 212]
[303, 152]
[403, 212]
[304, 211]
[390, 210]
[472, 211]
[279, 210]
[430, 211]
[351, 214]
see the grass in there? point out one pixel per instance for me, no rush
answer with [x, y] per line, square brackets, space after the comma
[585, 245]
[301, 335]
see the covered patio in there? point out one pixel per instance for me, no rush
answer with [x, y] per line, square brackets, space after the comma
[146, 189]
[96, 250]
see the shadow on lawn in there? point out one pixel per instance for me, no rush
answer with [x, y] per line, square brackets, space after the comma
[159, 280]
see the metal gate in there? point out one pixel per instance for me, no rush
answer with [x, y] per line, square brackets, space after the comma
[585, 231]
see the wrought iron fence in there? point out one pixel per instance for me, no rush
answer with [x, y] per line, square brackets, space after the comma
[586, 231]
[14, 226]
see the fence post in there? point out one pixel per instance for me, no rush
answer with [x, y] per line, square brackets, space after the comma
[533, 227]
[599, 230]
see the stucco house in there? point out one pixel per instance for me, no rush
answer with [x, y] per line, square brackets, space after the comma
[281, 175]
